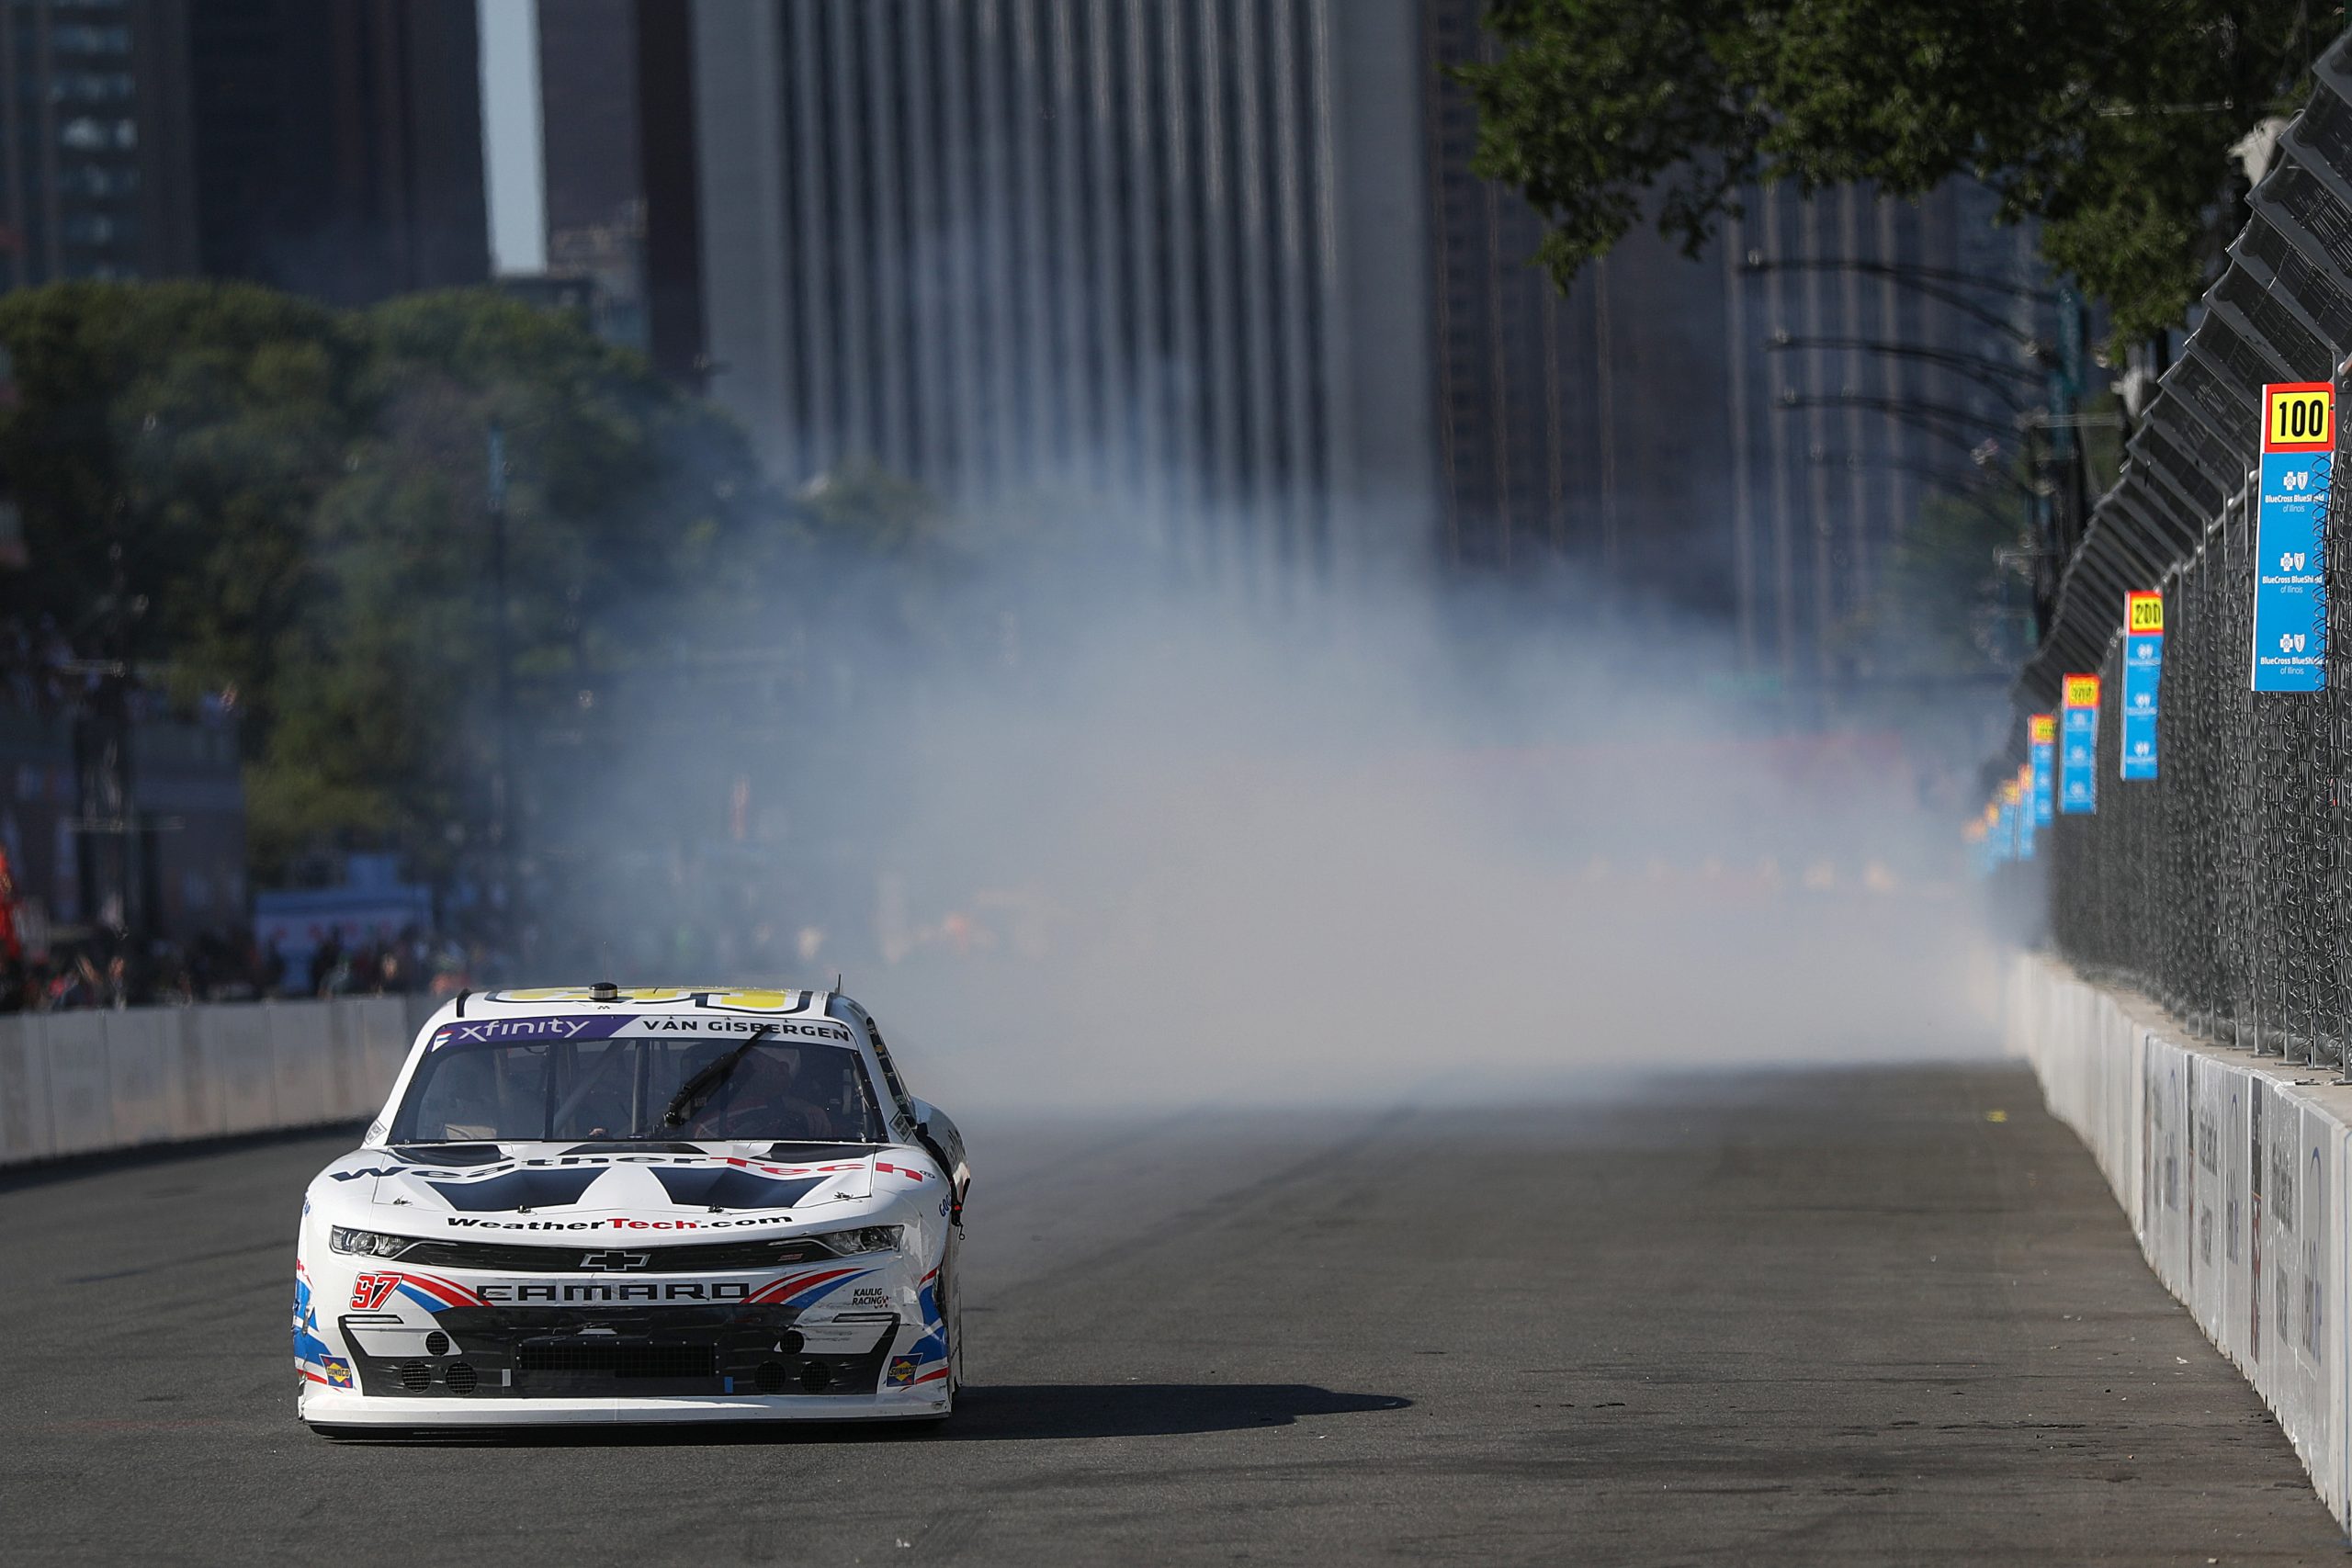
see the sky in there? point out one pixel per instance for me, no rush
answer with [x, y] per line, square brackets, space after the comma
[510, 135]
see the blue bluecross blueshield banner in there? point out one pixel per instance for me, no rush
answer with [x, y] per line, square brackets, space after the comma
[2143, 667]
[2290, 587]
[2078, 756]
[1983, 847]
[2045, 757]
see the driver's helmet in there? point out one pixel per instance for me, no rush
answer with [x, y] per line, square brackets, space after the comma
[762, 1087]
[461, 1101]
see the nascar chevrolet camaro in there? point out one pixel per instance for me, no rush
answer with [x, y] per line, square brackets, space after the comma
[591, 1204]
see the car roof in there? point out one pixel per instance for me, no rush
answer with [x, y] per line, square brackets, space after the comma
[741, 1001]
[722, 999]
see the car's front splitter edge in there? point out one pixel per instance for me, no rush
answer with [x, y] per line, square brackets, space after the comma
[338, 1407]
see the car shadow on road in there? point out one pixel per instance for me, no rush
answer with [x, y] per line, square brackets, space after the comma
[997, 1412]
[1004, 1412]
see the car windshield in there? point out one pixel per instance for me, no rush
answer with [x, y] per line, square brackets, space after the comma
[641, 1087]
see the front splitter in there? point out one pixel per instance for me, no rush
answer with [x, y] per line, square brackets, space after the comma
[342, 1408]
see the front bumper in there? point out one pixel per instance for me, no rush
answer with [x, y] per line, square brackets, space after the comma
[397, 1348]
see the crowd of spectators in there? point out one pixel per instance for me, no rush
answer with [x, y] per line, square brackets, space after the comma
[414, 961]
[234, 966]
[43, 674]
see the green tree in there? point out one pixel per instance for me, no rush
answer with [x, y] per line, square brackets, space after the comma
[1957, 596]
[299, 499]
[2112, 121]
[192, 429]
[865, 507]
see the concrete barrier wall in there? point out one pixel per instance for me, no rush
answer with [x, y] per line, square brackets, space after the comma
[2237, 1174]
[77, 1083]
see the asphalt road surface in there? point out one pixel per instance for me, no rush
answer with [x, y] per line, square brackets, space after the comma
[1793, 1320]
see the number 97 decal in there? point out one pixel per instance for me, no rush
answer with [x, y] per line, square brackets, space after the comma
[368, 1290]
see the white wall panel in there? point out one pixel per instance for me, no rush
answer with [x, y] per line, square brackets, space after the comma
[81, 1107]
[25, 1133]
[2233, 1170]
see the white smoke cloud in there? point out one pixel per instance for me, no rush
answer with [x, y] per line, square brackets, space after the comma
[1157, 849]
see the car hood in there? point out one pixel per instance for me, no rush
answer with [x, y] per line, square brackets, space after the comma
[681, 1186]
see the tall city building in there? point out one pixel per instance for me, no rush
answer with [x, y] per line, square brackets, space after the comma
[336, 145]
[623, 209]
[1225, 261]
[1585, 430]
[1165, 250]
[93, 168]
[330, 147]
[1743, 435]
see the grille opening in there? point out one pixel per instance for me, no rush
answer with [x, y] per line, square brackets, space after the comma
[816, 1377]
[790, 1342]
[437, 1343]
[617, 1360]
[770, 1377]
[460, 1378]
[415, 1376]
[693, 1258]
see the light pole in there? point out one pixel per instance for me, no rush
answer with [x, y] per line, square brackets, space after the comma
[1999, 379]
[2057, 528]
[108, 823]
[1946, 421]
[502, 791]
[1970, 295]
[1970, 483]
[1942, 284]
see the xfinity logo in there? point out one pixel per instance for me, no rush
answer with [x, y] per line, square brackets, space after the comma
[615, 1260]
[516, 1029]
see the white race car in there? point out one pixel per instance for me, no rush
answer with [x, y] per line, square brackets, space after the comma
[591, 1204]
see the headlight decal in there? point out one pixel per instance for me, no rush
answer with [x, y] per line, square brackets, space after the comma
[367, 1244]
[863, 1239]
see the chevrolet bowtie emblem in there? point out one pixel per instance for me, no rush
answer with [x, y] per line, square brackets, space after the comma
[615, 1260]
